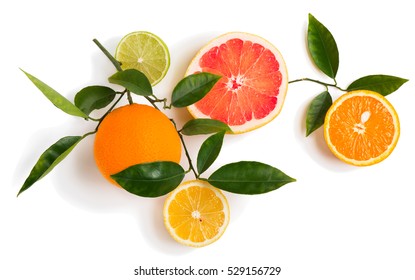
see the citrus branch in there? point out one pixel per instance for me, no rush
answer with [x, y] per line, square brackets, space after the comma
[188, 156]
[130, 99]
[186, 151]
[152, 99]
[116, 64]
[317, 82]
[164, 101]
[110, 109]
[93, 119]
[152, 102]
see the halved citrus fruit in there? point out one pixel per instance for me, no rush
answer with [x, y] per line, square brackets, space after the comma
[145, 52]
[254, 81]
[196, 214]
[361, 128]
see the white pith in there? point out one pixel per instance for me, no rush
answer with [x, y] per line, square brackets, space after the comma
[360, 128]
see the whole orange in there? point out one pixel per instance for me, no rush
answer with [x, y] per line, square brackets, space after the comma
[134, 134]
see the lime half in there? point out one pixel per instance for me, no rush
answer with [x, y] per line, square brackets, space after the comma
[145, 52]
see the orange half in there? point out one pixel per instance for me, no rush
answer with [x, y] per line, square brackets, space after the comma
[361, 128]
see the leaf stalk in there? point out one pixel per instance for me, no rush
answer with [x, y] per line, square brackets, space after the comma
[186, 151]
[334, 85]
[116, 64]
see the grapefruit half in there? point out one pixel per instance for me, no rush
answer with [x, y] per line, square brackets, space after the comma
[254, 81]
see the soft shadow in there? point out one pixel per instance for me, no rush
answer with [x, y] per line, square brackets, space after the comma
[183, 52]
[30, 154]
[81, 185]
[39, 142]
[315, 146]
[154, 231]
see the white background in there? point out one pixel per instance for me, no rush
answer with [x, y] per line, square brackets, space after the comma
[335, 222]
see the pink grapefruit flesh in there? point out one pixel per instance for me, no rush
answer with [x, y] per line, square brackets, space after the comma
[254, 81]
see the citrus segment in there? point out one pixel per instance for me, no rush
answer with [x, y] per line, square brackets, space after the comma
[145, 52]
[254, 81]
[361, 128]
[134, 134]
[196, 214]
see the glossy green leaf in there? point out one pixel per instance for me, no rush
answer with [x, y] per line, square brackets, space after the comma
[94, 97]
[249, 177]
[204, 126]
[209, 151]
[49, 159]
[56, 98]
[193, 88]
[317, 111]
[133, 80]
[150, 179]
[322, 47]
[382, 84]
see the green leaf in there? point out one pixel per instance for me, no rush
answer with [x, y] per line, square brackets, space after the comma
[93, 98]
[317, 111]
[133, 80]
[56, 98]
[193, 88]
[49, 159]
[322, 47]
[150, 179]
[382, 84]
[204, 126]
[249, 177]
[209, 151]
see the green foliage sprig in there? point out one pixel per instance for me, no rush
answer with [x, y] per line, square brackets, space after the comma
[324, 53]
[155, 179]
